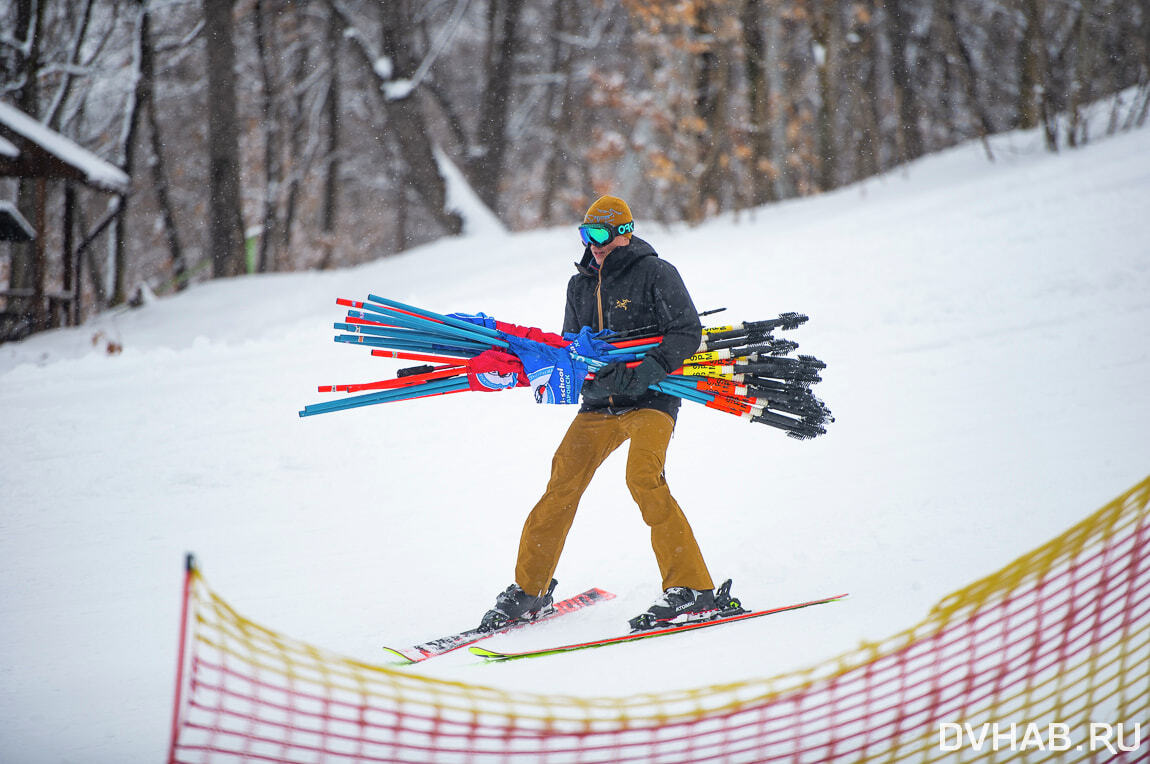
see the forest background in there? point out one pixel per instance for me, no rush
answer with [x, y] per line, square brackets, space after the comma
[280, 135]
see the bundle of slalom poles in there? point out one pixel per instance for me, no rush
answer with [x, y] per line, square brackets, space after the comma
[741, 369]
[744, 370]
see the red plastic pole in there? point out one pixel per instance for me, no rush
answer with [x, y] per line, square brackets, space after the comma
[636, 341]
[189, 569]
[382, 353]
[397, 382]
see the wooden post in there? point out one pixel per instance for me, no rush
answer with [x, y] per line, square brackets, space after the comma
[40, 256]
[71, 263]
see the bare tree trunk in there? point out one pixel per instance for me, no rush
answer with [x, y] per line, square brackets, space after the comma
[138, 97]
[299, 155]
[782, 182]
[827, 32]
[1138, 114]
[225, 215]
[55, 111]
[485, 162]
[1034, 89]
[406, 123]
[867, 97]
[158, 166]
[558, 112]
[83, 254]
[270, 122]
[1080, 90]
[26, 265]
[1144, 74]
[959, 58]
[710, 108]
[160, 181]
[400, 208]
[406, 118]
[909, 108]
[331, 159]
[758, 100]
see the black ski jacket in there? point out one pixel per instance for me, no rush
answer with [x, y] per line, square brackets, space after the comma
[636, 290]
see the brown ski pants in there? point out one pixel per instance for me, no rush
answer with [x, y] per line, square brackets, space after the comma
[589, 441]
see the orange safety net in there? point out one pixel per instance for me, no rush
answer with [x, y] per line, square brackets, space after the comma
[1047, 660]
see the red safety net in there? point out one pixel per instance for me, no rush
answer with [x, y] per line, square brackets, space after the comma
[1046, 660]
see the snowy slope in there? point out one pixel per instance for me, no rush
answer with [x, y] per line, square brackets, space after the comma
[986, 333]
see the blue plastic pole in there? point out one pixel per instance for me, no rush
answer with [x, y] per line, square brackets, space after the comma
[412, 335]
[638, 350]
[454, 347]
[464, 331]
[435, 387]
[448, 320]
[682, 388]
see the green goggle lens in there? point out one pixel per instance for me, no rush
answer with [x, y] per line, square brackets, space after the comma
[599, 234]
[595, 234]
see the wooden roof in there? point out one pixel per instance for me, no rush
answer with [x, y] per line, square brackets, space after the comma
[30, 149]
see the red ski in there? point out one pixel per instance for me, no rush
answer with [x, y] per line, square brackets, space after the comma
[495, 655]
[421, 652]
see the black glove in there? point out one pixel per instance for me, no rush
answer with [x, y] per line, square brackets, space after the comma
[597, 391]
[633, 383]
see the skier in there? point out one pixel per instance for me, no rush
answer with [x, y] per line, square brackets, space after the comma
[621, 285]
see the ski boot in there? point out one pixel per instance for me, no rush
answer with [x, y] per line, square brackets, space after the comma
[513, 604]
[680, 605]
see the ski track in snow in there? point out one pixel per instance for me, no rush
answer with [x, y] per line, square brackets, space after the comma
[985, 330]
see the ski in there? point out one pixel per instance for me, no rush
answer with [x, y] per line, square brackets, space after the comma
[436, 647]
[495, 655]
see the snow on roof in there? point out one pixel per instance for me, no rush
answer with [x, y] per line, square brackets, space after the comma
[8, 148]
[13, 225]
[95, 170]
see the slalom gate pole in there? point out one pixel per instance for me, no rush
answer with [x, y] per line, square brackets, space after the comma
[471, 349]
[454, 322]
[408, 335]
[729, 403]
[637, 341]
[181, 653]
[354, 319]
[425, 357]
[367, 305]
[387, 396]
[397, 317]
[637, 349]
[397, 382]
[459, 329]
[739, 369]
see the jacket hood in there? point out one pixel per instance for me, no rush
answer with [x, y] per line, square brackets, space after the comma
[620, 258]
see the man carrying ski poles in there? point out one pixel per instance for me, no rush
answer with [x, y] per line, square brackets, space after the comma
[621, 285]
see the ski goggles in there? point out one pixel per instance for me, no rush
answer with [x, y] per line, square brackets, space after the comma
[599, 234]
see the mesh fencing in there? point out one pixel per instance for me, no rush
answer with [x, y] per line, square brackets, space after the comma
[1046, 660]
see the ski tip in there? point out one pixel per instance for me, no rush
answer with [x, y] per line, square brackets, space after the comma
[483, 652]
[832, 598]
[397, 658]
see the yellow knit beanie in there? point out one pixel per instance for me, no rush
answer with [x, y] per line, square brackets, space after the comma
[610, 210]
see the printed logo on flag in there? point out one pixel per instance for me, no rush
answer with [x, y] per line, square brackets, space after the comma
[493, 380]
[540, 380]
[552, 373]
